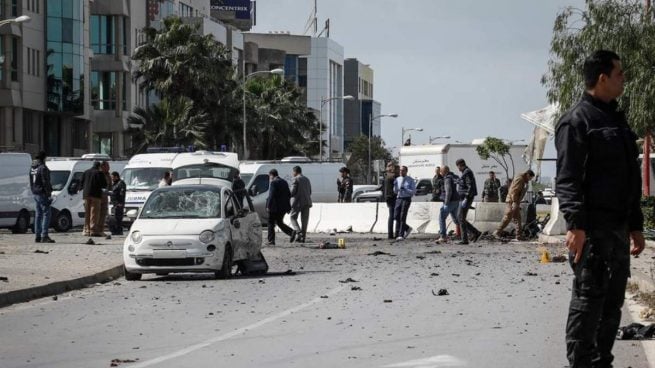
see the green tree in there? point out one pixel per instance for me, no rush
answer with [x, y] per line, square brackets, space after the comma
[621, 26]
[497, 150]
[358, 162]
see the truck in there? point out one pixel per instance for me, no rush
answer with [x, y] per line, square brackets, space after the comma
[421, 161]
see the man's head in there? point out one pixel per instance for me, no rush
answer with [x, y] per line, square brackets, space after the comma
[115, 176]
[41, 156]
[603, 75]
[390, 166]
[167, 175]
[461, 164]
[104, 166]
[437, 170]
[296, 170]
[445, 170]
[492, 175]
[272, 174]
[344, 172]
[96, 165]
[403, 171]
[529, 175]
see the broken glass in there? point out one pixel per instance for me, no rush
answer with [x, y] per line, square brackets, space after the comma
[183, 203]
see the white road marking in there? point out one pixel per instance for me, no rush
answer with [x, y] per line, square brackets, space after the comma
[431, 362]
[237, 332]
[649, 346]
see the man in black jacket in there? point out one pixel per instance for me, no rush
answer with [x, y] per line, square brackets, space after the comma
[42, 191]
[602, 210]
[393, 171]
[467, 189]
[277, 205]
[117, 194]
[92, 184]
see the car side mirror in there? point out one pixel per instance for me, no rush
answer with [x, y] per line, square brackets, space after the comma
[74, 187]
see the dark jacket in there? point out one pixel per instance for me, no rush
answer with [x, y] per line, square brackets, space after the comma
[117, 193]
[387, 189]
[437, 188]
[239, 189]
[598, 179]
[40, 179]
[466, 187]
[278, 196]
[93, 181]
[450, 188]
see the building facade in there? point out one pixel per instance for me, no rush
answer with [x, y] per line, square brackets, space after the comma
[358, 82]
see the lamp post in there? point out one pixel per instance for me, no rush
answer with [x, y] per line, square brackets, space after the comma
[277, 71]
[21, 19]
[370, 133]
[405, 130]
[432, 139]
[320, 120]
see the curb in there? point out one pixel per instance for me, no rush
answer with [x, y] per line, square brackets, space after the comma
[25, 295]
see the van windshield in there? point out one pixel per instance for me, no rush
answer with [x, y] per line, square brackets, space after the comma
[58, 179]
[205, 170]
[143, 178]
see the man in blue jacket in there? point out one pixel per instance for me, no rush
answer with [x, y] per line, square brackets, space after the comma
[42, 191]
[450, 200]
[404, 186]
[277, 205]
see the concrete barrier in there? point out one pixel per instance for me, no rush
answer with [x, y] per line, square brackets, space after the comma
[557, 224]
[424, 217]
[488, 215]
[341, 216]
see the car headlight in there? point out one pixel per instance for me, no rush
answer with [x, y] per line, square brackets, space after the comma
[206, 236]
[136, 236]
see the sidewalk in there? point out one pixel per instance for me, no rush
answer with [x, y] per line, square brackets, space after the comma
[69, 264]
[642, 268]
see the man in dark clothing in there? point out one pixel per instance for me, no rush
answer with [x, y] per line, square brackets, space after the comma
[104, 203]
[450, 200]
[491, 186]
[437, 185]
[92, 183]
[345, 186]
[42, 191]
[239, 188]
[117, 195]
[467, 190]
[277, 205]
[504, 190]
[393, 171]
[602, 211]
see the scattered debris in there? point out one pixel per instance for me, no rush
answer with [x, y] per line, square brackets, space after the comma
[375, 238]
[433, 252]
[380, 253]
[261, 281]
[530, 273]
[324, 296]
[90, 242]
[55, 297]
[456, 275]
[327, 245]
[636, 331]
[388, 301]
[420, 257]
[559, 258]
[355, 288]
[41, 251]
[4, 278]
[434, 274]
[441, 292]
[117, 362]
[348, 280]
[289, 272]
[2, 252]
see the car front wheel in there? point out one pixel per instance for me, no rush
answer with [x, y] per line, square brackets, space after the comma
[226, 267]
[131, 276]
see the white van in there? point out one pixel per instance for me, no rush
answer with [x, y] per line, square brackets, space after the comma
[16, 200]
[322, 175]
[65, 176]
[141, 176]
[205, 167]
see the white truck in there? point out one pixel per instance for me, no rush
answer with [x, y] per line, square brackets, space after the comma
[421, 161]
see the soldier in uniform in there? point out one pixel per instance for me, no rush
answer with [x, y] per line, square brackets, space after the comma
[491, 187]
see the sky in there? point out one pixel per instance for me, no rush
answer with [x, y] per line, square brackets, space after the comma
[460, 68]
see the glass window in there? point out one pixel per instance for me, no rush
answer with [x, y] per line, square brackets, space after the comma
[102, 34]
[54, 29]
[14, 59]
[103, 90]
[143, 178]
[53, 8]
[67, 30]
[58, 179]
[260, 185]
[14, 8]
[67, 8]
[207, 170]
[183, 203]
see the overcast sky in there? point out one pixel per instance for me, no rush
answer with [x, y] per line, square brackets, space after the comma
[464, 68]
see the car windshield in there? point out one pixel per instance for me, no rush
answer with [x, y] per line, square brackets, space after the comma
[183, 203]
[246, 178]
[58, 179]
[143, 178]
[205, 170]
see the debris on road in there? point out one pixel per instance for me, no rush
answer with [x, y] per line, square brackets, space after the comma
[420, 257]
[289, 272]
[117, 362]
[90, 242]
[441, 292]
[559, 258]
[434, 274]
[41, 251]
[324, 296]
[4, 278]
[433, 252]
[530, 273]
[108, 237]
[388, 301]
[327, 245]
[636, 331]
[55, 298]
[348, 280]
[261, 281]
[380, 253]
[355, 288]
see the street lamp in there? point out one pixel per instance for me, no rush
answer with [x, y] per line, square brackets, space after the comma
[21, 19]
[432, 139]
[320, 120]
[405, 130]
[370, 133]
[277, 71]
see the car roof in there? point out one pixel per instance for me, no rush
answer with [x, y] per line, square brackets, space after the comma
[213, 187]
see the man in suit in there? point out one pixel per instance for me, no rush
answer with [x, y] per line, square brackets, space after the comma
[277, 205]
[301, 202]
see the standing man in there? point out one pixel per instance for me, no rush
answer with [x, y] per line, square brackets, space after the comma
[277, 205]
[450, 203]
[437, 185]
[42, 191]
[104, 203]
[504, 189]
[117, 194]
[514, 197]
[239, 188]
[467, 190]
[345, 184]
[602, 211]
[93, 180]
[301, 202]
[393, 171]
[166, 181]
[404, 186]
[491, 187]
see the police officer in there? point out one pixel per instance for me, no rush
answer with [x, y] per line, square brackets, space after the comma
[602, 210]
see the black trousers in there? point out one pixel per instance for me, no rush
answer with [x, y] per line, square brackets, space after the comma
[598, 292]
[116, 224]
[275, 218]
[467, 227]
[391, 205]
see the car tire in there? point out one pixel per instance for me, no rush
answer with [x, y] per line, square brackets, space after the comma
[226, 267]
[131, 276]
[22, 223]
[63, 222]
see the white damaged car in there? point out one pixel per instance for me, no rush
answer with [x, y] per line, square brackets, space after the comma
[194, 228]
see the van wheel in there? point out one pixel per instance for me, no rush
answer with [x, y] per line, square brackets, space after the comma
[22, 223]
[226, 267]
[131, 276]
[63, 222]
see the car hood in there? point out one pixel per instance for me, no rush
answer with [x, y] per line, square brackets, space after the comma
[176, 226]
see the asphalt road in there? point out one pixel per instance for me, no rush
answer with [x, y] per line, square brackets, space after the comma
[503, 309]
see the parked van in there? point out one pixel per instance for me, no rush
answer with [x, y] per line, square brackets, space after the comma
[65, 175]
[322, 175]
[205, 167]
[141, 176]
[16, 200]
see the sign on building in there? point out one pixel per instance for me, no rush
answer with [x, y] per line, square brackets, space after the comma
[239, 13]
